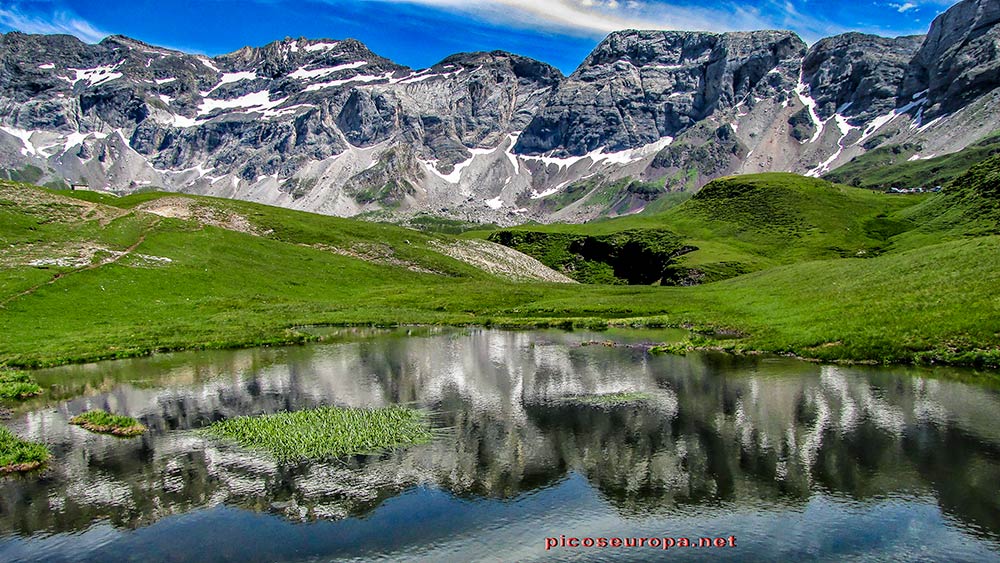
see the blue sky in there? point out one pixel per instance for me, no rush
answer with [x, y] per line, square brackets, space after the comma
[419, 33]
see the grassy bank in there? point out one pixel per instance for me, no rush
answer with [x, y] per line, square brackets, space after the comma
[102, 422]
[17, 386]
[17, 455]
[326, 432]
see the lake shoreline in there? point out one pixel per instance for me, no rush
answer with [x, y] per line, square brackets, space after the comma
[717, 340]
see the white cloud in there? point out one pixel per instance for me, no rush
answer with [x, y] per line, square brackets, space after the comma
[58, 21]
[596, 18]
[903, 8]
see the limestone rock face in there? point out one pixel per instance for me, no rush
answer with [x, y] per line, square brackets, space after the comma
[261, 110]
[329, 126]
[960, 59]
[639, 86]
[857, 75]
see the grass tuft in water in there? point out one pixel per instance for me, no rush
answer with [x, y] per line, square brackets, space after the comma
[326, 431]
[17, 385]
[18, 455]
[618, 399]
[103, 422]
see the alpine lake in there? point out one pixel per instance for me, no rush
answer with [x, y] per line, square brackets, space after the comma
[780, 459]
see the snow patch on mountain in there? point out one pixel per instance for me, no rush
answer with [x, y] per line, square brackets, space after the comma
[427, 74]
[208, 63]
[321, 46]
[810, 105]
[309, 74]
[845, 129]
[883, 120]
[25, 138]
[256, 101]
[231, 77]
[75, 139]
[182, 122]
[95, 76]
[360, 78]
[551, 191]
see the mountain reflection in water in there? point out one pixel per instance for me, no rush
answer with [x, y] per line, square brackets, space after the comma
[718, 436]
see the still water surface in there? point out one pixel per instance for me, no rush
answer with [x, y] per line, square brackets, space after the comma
[797, 461]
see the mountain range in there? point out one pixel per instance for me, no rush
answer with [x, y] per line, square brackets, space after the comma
[331, 127]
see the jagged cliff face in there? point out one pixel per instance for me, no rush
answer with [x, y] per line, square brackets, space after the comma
[640, 86]
[857, 75]
[294, 120]
[329, 126]
[960, 59]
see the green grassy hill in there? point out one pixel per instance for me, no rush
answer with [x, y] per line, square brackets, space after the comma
[379, 242]
[633, 256]
[741, 224]
[890, 167]
[97, 273]
[968, 207]
[101, 277]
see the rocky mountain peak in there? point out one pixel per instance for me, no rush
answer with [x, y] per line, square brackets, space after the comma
[520, 66]
[125, 42]
[650, 47]
[23, 51]
[327, 125]
[284, 57]
[857, 75]
[637, 87]
[958, 61]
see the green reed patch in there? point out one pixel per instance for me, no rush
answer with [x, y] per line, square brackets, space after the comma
[326, 431]
[17, 385]
[20, 455]
[621, 398]
[104, 422]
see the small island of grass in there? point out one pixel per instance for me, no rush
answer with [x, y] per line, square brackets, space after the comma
[326, 431]
[17, 385]
[17, 455]
[621, 398]
[103, 422]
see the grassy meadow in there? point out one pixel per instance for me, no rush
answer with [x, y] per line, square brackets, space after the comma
[792, 265]
[891, 166]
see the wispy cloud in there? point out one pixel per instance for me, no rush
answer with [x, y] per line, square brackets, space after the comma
[904, 7]
[55, 21]
[598, 17]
